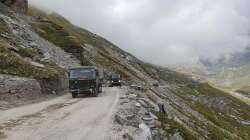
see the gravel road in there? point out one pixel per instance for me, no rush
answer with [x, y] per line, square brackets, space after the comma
[62, 118]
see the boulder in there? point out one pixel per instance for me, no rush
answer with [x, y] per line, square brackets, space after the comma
[176, 136]
[127, 136]
[120, 120]
[55, 85]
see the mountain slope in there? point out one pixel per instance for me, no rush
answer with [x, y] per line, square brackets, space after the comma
[43, 46]
[89, 48]
[230, 73]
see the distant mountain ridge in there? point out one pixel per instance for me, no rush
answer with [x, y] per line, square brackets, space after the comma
[236, 59]
[230, 72]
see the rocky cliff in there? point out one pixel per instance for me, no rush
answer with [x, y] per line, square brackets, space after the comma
[20, 6]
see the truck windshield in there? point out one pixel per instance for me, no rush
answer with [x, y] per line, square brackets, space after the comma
[84, 74]
[115, 77]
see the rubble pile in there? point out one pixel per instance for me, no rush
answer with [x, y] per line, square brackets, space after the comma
[134, 117]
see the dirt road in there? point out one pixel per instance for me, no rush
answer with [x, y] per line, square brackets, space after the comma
[63, 118]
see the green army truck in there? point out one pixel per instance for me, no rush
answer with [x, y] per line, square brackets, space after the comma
[85, 80]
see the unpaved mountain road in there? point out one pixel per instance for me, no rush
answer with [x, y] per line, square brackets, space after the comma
[63, 118]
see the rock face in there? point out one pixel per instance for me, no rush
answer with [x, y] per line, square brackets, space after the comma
[22, 89]
[17, 90]
[20, 6]
[20, 85]
[55, 86]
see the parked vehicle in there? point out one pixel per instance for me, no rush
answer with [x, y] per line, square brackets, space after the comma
[85, 80]
[115, 80]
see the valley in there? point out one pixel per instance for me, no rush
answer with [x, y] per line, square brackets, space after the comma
[38, 48]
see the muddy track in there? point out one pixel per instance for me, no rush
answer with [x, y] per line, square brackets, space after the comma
[63, 118]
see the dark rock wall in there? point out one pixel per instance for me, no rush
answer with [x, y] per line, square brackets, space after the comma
[20, 6]
[55, 86]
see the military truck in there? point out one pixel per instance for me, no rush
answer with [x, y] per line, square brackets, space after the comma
[85, 80]
[115, 80]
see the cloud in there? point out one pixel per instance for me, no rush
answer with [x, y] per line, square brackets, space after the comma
[163, 32]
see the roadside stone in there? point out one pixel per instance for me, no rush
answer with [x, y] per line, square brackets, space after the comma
[124, 102]
[5, 35]
[37, 64]
[245, 123]
[146, 130]
[157, 124]
[119, 119]
[147, 118]
[123, 97]
[126, 136]
[143, 103]
[54, 92]
[33, 45]
[138, 105]
[176, 136]
[153, 116]
[132, 96]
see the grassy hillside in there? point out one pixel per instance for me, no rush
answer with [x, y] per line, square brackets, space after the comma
[12, 64]
[219, 107]
[12, 58]
[231, 73]
[3, 27]
[225, 112]
[230, 79]
[74, 40]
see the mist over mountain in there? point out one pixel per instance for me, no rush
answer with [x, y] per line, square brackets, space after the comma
[235, 59]
[163, 32]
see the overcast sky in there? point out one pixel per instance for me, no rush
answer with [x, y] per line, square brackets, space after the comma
[163, 32]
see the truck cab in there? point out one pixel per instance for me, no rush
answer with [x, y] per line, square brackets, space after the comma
[115, 80]
[84, 80]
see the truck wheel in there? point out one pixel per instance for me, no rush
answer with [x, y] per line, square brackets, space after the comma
[74, 95]
[95, 93]
[100, 89]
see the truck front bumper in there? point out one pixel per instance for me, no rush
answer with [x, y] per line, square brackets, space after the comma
[79, 91]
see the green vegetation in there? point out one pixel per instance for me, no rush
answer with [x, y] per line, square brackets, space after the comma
[220, 116]
[245, 89]
[171, 127]
[165, 74]
[205, 96]
[58, 30]
[3, 27]
[151, 96]
[14, 65]
[28, 52]
[71, 38]
[56, 34]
